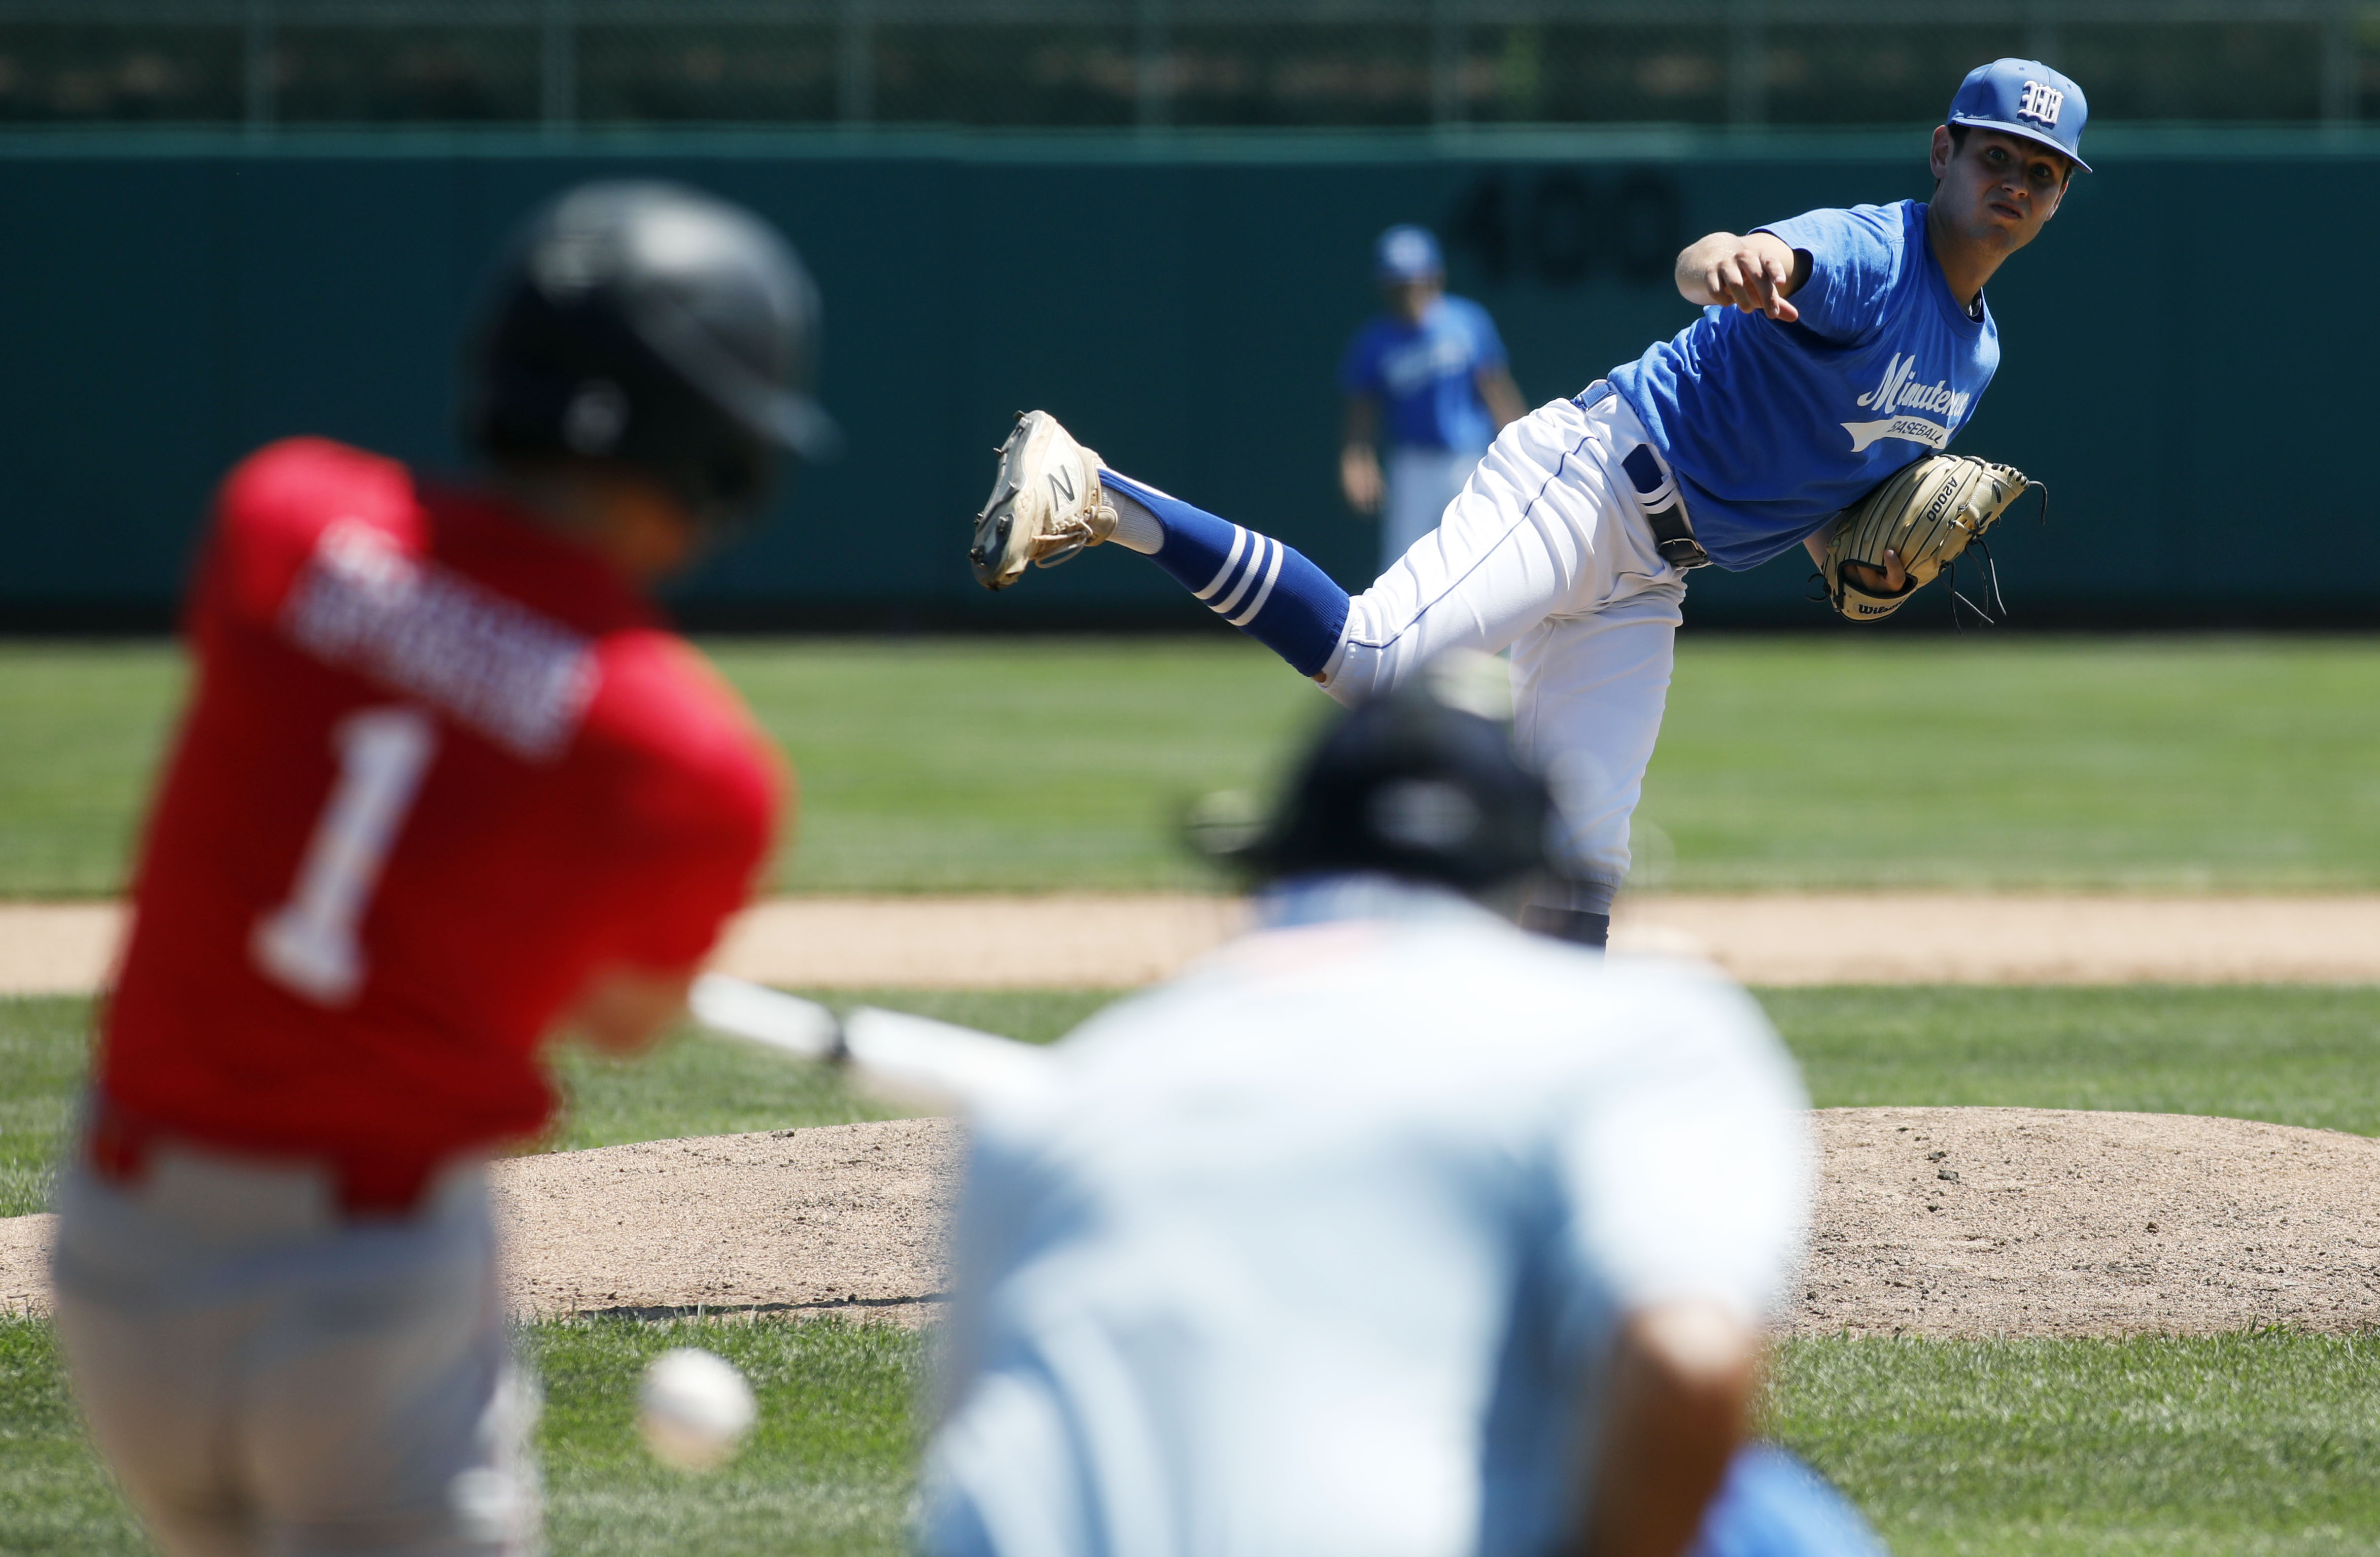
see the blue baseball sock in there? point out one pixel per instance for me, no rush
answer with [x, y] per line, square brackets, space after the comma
[1265, 589]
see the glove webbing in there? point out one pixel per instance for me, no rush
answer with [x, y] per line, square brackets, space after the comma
[1991, 572]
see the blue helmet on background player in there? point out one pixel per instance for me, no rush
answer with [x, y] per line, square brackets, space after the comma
[1406, 254]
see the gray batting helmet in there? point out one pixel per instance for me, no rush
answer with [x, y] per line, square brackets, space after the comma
[659, 327]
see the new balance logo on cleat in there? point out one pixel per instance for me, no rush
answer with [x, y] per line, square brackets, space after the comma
[1040, 512]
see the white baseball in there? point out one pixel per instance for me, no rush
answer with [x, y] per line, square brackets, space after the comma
[694, 1409]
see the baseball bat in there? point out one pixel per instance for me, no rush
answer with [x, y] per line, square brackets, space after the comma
[913, 1061]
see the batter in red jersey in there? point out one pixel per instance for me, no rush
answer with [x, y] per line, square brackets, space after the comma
[446, 785]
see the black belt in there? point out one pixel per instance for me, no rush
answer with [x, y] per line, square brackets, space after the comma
[1664, 510]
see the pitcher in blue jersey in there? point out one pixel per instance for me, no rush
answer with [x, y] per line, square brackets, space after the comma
[1834, 348]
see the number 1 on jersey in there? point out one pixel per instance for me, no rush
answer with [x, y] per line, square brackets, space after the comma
[307, 946]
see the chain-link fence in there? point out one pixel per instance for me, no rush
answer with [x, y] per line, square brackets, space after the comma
[1149, 63]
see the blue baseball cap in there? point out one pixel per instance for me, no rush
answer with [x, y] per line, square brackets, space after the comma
[2024, 97]
[1406, 254]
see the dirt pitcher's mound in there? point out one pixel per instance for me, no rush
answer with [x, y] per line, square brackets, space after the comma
[2038, 1222]
[1930, 1222]
[847, 1216]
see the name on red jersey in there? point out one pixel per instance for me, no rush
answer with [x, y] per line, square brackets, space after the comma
[520, 678]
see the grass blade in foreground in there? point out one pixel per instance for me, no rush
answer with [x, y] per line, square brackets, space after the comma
[56, 1496]
[2265, 1443]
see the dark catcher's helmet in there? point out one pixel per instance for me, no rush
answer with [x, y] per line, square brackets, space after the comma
[658, 327]
[1411, 785]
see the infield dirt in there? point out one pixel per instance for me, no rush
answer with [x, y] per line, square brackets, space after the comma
[1125, 941]
[1938, 1222]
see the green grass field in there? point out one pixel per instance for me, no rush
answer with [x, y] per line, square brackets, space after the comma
[2137, 763]
[1024, 764]
[2235, 1444]
[2205, 1448]
[85, 725]
[1822, 761]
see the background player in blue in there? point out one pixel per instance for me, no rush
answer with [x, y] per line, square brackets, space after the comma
[1833, 349]
[1427, 380]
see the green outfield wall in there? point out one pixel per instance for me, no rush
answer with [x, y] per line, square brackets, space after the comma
[2185, 353]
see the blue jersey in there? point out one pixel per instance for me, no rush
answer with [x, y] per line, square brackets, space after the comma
[1426, 375]
[1773, 428]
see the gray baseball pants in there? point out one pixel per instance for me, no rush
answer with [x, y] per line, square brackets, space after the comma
[272, 1378]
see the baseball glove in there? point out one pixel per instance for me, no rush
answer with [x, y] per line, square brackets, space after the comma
[1926, 512]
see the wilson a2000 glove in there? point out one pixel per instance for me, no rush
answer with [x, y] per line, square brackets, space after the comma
[1926, 512]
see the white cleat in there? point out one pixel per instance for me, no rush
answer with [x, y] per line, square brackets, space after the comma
[1045, 505]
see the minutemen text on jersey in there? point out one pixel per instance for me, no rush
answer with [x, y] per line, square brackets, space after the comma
[1774, 428]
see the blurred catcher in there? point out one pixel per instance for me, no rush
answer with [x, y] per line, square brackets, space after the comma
[446, 783]
[1833, 351]
[1387, 1228]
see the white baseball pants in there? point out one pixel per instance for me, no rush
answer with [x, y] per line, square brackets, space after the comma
[1547, 553]
[270, 1379]
[1419, 483]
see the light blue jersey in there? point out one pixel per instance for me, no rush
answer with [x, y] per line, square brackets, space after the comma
[1313, 1251]
[1426, 376]
[1773, 428]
